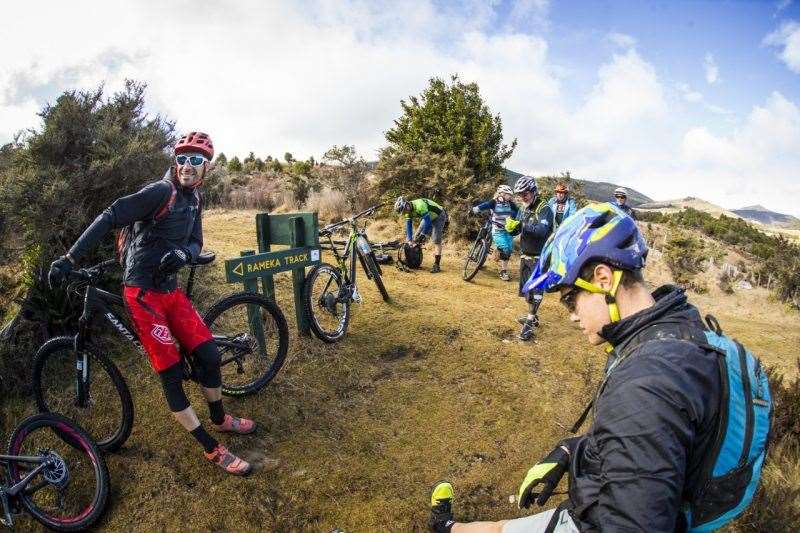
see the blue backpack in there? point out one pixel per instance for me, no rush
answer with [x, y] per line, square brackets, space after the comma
[732, 469]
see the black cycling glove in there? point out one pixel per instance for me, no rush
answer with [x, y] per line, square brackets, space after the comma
[173, 261]
[59, 269]
[548, 472]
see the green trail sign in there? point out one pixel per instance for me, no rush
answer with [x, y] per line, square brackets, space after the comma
[255, 266]
[298, 231]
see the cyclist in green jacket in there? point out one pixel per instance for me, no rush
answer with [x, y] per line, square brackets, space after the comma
[433, 221]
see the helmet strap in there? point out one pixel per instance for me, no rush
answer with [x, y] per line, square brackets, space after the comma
[610, 294]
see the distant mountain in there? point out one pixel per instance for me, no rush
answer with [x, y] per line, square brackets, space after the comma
[672, 206]
[762, 215]
[596, 190]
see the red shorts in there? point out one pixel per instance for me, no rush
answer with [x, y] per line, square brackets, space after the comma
[157, 316]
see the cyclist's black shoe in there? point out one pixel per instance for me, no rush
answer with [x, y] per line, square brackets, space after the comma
[435, 268]
[441, 520]
[524, 318]
[528, 329]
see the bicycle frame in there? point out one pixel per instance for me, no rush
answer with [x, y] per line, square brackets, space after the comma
[355, 245]
[100, 302]
[12, 491]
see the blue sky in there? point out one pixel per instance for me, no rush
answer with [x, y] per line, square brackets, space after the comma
[671, 98]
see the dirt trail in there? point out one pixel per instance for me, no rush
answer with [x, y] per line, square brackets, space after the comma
[432, 385]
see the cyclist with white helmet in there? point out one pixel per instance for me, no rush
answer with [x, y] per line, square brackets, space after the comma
[502, 207]
[621, 197]
[433, 222]
[534, 225]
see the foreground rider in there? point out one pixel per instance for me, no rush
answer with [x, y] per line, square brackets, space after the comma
[561, 205]
[643, 465]
[433, 222]
[533, 225]
[502, 207]
[157, 249]
[621, 199]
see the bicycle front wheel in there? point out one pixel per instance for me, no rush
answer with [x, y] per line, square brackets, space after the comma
[107, 414]
[374, 272]
[475, 258]
[326, 305]
[253, 338]
[70, 492]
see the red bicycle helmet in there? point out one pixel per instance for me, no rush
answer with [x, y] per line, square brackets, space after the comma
[195, 141]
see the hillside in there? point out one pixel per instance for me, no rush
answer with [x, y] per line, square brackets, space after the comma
[762, 215]
[673, 206]
[432, 385]
[596, 190]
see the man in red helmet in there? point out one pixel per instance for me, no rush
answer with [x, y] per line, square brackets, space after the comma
[165, 233]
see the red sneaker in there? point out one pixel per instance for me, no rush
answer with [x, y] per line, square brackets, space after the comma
[233, 424]
[228, 462]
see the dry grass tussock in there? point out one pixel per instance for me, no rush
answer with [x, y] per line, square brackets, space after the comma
[432, 385]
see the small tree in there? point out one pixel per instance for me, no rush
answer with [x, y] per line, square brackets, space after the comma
[234, 165]
[221, 160]
[453, 119]
[288, 157]
[547, 186]
[346, 171]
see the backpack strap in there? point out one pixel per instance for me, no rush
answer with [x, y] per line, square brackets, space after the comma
[713, 324]
[164, 211]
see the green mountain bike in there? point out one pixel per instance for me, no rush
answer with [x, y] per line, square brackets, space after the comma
[329, 290]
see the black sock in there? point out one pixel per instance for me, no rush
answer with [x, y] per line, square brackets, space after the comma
[206, 441]
[216, 411]
[436, 259]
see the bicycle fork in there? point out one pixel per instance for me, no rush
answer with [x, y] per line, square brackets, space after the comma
[82, 366]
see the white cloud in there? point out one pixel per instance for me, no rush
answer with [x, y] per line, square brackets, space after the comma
[622, 40]
[300, 77]
[711, 69]
[787, 38]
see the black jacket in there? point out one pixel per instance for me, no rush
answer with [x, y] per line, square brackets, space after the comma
[536, 226]
[655, 413]
[181, 228]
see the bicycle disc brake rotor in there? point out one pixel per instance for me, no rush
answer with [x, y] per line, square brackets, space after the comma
[329, 301]
[55, 471]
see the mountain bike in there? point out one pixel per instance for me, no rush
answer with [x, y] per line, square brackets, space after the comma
[55, 472]
[73, 375]
[329, 290]
[479, 251]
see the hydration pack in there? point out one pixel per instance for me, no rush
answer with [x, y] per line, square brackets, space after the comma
[732, 469]
[410, 255]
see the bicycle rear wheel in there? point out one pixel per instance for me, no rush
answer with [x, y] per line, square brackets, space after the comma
[253, 338]
[71, 492]
[326, 305]
[108, 413]
[475, 258]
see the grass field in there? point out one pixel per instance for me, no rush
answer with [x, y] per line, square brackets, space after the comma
[352, 436]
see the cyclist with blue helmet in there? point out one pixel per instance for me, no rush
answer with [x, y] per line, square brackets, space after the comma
[534, 224]
[502, 207]
[643, 464]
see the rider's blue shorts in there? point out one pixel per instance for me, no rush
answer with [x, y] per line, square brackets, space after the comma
[503, 241]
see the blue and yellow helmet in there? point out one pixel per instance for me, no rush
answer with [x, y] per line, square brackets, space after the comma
[596, 233]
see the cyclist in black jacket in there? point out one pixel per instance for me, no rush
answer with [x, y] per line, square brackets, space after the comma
[656, 413]
[165, 232]
[534, 225]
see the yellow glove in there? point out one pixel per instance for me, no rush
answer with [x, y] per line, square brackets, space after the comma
[512, 224]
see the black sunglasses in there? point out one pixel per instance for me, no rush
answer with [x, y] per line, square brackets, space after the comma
[568, 299]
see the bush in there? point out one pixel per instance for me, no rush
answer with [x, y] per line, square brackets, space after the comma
[685, 256]
[331, 205]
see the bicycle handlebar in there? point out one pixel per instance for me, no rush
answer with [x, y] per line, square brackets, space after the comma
[92, 272]
[326, 230]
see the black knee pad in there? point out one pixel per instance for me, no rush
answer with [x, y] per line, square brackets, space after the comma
[172, 383]
[206, 360]
[534, 299]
